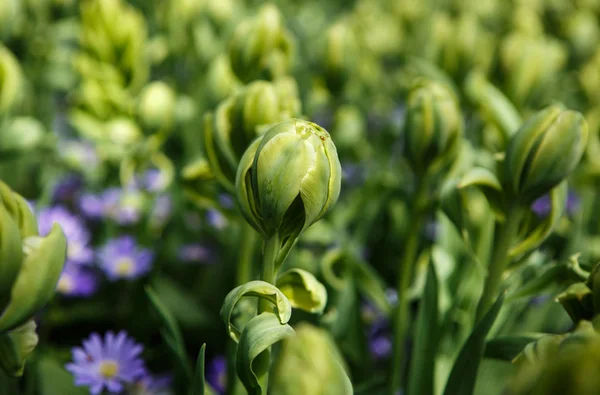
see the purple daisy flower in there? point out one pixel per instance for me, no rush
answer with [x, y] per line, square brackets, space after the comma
[542, 206]
[154, 385]
[122, 258]
[92, 206]
[194, 253]
[77, 280]
[78, 237]
[111, 364]
[216, 374]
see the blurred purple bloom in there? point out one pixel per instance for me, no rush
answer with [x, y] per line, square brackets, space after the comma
[77, 280]
[78, 237]
[123, 205]
[122, 258]
[194, 253]
[109, 363]
[226, 201]
[378, 328]
[380, 346]
[67, 189]
[154, 385]
[92, 206]
[543, 205]
[216, 374]
[155, 180]
[79, 154]
[216, 219]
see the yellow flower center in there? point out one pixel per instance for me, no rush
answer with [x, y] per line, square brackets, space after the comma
[108, 369]
[65, 284]
[125, 266]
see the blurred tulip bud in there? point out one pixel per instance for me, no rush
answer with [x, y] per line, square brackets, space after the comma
[339, 56]
[589, 78]
[15, 347]
[123, 131]
[288, 179]
[582, 30]
[349, 129]
[261, 46]
[572, 371]
[238, 120]
[433, 127]
[157, 105]
[310, 363]
[10, 17]
[21, 134]
[11, 79]
[544, 151]
[220, 79]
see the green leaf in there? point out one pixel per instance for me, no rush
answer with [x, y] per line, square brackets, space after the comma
[15, 347]
[422, 368]
[37, 278]
[464, 372]
[259, 289]
[371, 285]
[259, 334]
[488, 183]
[53, 379]
[558, 198]
[198, 386]
[171, 332]
[11, 255]
[303, 290]
[507, 348]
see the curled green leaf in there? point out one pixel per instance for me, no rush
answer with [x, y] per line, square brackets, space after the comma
[258, 289]
[253, 364]
[15, 347]
[303, 290]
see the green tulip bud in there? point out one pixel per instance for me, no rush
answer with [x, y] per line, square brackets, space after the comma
[433, 126]
[157, 105]
[123, 131]
[261, 46]
[288, 179]
[582, 30]
[10, 17]
[544, 151]
[238, 120]
[10, 79]
[21, 134]
[310, 363]
[15, 347]
[349, 130]
[339, 55]
[220, 79]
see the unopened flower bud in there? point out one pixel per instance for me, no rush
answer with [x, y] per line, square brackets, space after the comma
[10, 79]
[544, 151]
[157, 105]
[433, 126]
[289, 178]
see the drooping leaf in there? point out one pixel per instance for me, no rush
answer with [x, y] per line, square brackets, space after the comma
[198, 386]
[15, 347]
[506, 348]
[303, 290]
[258, 289]
[252, 363]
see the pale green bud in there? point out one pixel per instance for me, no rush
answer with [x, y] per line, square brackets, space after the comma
[123, 131]
[261, 46]
[157, 105]
[310, 363]
[21, 134]
[582, 30]
[11, 79]
[288, 179]
[544, 151]
[349, 129]
[238, 120]
[433, 128]
[220, 79]
[339, 56]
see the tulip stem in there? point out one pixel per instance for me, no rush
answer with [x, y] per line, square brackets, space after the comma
[404, 278]
[244, 269]
[499, 260]
[271, 250]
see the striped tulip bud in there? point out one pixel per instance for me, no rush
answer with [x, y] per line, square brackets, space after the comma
[433, 126]
[544, 151]
[288, 179]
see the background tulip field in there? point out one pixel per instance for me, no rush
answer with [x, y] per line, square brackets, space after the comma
[371, 197]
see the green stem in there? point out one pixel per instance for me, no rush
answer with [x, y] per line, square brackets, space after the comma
[401, 313]
[244, 269]
[272, 246]
[499, 260]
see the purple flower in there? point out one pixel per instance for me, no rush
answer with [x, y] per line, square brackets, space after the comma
[194, 253]
[216, 219]
[122, 258]
[124, 206]
[155, 180]
[77, 280]
[226, 201]
[111, 364]
[154, 385]
[78, 237]
[216, 374]
[67, 189]
[542, 206]
[380, 346]
[572, 203]
[92, 206]
[378, 329]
